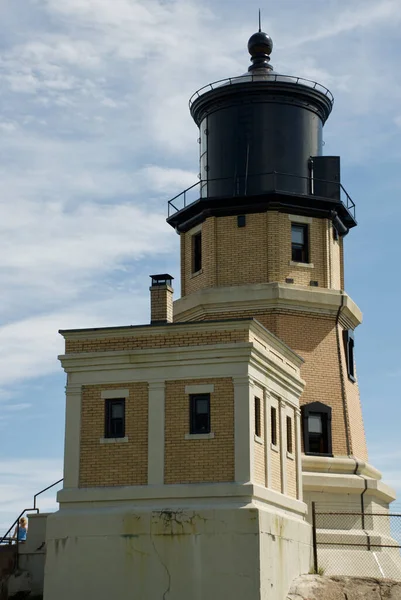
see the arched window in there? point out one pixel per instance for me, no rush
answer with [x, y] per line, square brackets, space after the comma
[316, 419]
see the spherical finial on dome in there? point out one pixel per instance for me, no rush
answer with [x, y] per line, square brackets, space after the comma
[260, 42]
[260, 47]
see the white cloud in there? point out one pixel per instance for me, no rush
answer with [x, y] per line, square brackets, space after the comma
[96, 136]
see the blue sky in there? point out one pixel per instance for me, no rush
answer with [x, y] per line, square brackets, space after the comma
[95, 137]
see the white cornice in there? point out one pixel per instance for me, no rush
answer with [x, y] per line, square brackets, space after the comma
[339, 465]
[266, 296]
[139, 331]
[183, 495]
[218, 360]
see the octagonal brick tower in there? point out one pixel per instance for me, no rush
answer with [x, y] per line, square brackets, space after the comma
[263, 237]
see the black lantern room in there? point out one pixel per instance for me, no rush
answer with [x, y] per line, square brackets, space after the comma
[261, 148]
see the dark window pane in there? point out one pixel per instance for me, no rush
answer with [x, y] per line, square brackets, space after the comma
[317, 428]
[315, 424]
[273, 417]
[115, 418]
[318, 433]
[199, 413]
[117, 411]
[289, 434]
[297, 235]
[202, 406]
[196, 252]
[299, 243]
[258, 428]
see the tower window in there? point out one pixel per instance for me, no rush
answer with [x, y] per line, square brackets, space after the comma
[289, 435]
[299, 243]
[197, 252]
[241, 220]
[273, 425]
[348, 336]
[115, 418]
[258, 422]
[199, 413]
[317, 428]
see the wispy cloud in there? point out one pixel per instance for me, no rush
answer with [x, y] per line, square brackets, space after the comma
[95, 136]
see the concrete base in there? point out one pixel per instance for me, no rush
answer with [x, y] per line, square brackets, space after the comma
[355, 504]
[120, 551]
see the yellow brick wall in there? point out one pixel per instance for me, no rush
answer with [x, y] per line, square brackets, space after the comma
[120, 463]
[259, 252]
[317, 253]
[334, 259]
[161, 303]
[314, 337]
[175, 339]
[259, 446]
[275, 461]
[241, 252]
[207, 277]
[205, 460]
[290, 461]
[354, 409]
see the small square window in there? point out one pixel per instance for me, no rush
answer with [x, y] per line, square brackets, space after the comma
[273, 425]
[115, 418]
[196, 252]
[241, 220]
[299, 243]
[199, 417]
[258, 423]
[289, 435]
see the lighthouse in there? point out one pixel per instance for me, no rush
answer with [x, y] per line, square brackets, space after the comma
[196, 444]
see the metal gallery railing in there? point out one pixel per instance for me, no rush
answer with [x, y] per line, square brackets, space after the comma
[257, 77]
[256, 184]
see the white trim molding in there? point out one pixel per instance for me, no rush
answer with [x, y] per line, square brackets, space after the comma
[292, 263]
[72, 440]
[156, 421]
[121, 440]
[199, 389]
[110, 394]
[300, 219]
[199, 436]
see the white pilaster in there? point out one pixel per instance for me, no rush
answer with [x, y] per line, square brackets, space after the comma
[268, 461]
[72, 439]
[156, 433]
[283, 445]
[243, 410]
[298, 456]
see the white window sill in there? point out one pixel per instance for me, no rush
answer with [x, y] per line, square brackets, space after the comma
[258, 439]
[197, 273]
[301, 264]
[199, 436]
[290, 456]
[123, 440]
[274, 448]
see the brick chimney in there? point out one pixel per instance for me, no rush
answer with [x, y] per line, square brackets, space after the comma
[161, 299]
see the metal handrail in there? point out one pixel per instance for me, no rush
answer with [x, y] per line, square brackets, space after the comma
[45, 490]
[271, 77]
[5, 537]
[350, 204]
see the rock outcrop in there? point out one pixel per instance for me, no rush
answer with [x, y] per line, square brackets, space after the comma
[315, 587]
